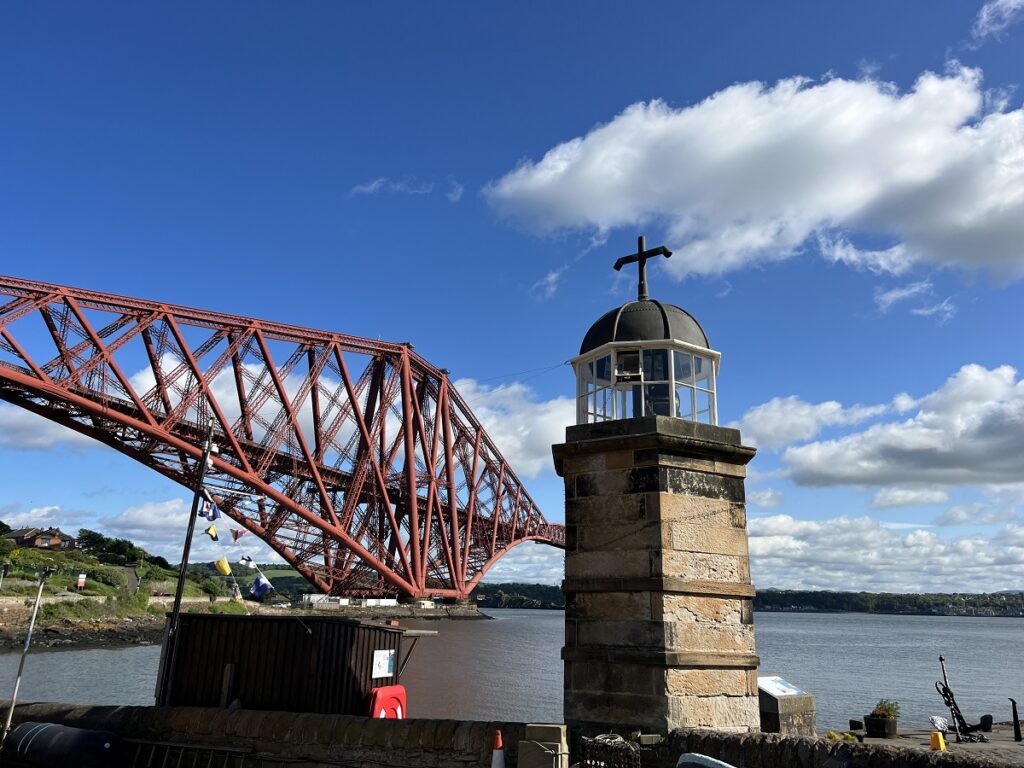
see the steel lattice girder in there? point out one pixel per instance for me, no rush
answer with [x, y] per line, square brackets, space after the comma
[368, 472]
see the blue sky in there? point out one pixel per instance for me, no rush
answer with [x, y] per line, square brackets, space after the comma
[843, 187]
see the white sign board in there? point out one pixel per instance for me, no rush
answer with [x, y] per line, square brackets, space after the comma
[383, 664]
[81, 580]
[776, 686]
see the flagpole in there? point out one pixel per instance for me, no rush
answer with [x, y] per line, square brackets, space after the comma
[172, 627]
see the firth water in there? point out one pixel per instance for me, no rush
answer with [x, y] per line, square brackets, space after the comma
[509, 669]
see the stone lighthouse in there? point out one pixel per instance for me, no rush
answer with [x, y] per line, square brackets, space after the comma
[659, 627]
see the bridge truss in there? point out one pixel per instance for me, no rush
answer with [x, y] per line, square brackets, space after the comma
[355, 460]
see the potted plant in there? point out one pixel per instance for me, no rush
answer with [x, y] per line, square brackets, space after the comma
[881, 723]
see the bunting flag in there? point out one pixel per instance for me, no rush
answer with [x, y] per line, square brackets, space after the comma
[260, 587]
[237, 534]
[212, 533]
[223, 567]
[209, 509]
[246, 561]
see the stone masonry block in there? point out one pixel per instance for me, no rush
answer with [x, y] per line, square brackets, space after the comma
[634, 606]
[674, 508]
[630, 634]
[613, 707]
[707, 682]
[599, 677]
[631, 536]
[718, 712]
[693, 608]
[582, 565]
[597, 462]
[701, 537]
[607, 509]
[715, 638]
[695, 566]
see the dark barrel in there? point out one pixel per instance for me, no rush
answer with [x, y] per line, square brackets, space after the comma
[318, 664]
[49, 745]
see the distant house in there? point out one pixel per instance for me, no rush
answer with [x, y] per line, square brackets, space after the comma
[41, 538]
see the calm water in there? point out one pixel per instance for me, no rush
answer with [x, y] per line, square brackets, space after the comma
[510, 668]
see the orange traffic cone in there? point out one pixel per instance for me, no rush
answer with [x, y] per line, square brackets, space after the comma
[498, 753]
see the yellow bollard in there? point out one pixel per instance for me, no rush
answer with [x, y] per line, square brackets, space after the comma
[938, 742]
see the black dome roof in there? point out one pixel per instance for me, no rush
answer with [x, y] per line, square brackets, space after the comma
[646, 320]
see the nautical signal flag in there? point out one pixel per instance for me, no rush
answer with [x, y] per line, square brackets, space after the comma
[223, 567]
[246, 561]
[237, 534]
[212, 533]
[208, 508]
[260, 587]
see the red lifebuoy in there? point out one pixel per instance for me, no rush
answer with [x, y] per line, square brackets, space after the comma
[388, 702]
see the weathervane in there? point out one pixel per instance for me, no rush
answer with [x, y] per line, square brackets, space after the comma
[641, 256]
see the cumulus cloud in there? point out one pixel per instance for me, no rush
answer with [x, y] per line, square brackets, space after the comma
[529, 563]
[969, 431]
[49, 516]
[784, 420]
[522, 427]
[769, 498]
[995, 16]
[755, 172]
[24, 430]
[908, 497]
[847, 553]
[975, 513]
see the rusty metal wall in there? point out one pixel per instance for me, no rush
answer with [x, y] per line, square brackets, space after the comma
[293, 664]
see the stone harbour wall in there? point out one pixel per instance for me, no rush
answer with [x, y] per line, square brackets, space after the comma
[317, 740]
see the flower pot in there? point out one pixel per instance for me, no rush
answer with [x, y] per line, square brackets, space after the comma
[880, 727]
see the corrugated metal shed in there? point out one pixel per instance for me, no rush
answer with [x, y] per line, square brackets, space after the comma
[303, 663]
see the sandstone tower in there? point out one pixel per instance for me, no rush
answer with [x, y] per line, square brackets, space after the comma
[659, 627]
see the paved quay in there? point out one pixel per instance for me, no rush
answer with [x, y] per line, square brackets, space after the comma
[1000, 746]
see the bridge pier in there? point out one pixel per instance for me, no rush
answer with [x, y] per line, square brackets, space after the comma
[659, 620]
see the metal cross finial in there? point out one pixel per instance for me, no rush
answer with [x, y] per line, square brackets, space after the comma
[641, 256]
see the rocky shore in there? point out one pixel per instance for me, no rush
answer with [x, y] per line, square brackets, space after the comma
[84, 633]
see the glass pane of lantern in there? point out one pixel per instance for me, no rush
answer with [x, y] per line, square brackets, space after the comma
[655, 365]
[656, 400]
[703, 406]
[684, 403]
[702, 371]
[604, 368]
[628, 362]
[684, 367]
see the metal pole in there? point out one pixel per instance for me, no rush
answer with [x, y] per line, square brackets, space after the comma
[172, 627]
[3, 572]
[24, 652]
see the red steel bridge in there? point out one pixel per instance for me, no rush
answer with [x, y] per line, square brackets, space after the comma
[356, 460]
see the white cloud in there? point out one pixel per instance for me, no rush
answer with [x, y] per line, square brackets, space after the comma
[42, 517]
[995, 16]
[784, 420]
[25, 430]
[943, 311]
[454, 193]
[907, 497]
[976, 513]
[969, 431]
[754, 172]
[885, 299]
[861, 554]
[523, 428]
[547, 286]
[384, 184]
[769, 498]
[529, 563]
